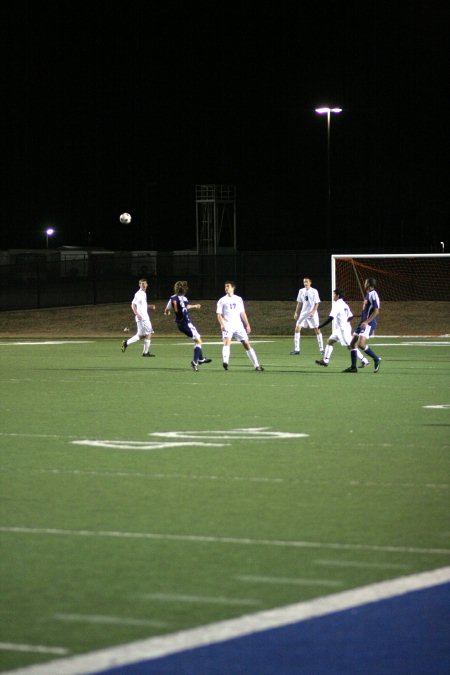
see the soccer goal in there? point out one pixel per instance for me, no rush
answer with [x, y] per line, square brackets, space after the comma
[414, 287]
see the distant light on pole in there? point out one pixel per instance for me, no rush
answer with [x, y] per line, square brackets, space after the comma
[49, 233]
[443, 246]
[328, 111]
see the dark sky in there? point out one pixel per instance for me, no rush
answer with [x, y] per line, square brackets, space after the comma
[126, 106]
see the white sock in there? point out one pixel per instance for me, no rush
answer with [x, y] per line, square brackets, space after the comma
[252, 356]
[226, 353]
[296, 342]
[320, 341]
[361, 356]
[328, 353]
[135, 338]
[146, 346]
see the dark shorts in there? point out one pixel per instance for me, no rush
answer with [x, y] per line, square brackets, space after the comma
[186, 328]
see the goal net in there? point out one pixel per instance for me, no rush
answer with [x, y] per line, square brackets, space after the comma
[415, 287]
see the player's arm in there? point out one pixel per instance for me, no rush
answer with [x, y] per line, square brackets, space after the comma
[221, 321]
[194, 306]
[297, 310]
[373, 314]
[168, 307]
[326, 322]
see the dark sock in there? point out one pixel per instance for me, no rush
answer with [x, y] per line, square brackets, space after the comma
[354, 356]
[197, 353]
[370, 353]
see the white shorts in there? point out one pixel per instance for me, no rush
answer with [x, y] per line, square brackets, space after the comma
[305, 321]
[344, 337]
[367, 332]
[236, 332]
[144, 327]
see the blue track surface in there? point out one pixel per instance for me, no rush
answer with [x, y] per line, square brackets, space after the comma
[406, 635]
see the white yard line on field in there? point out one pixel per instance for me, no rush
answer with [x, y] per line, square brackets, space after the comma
[110, 620]
[198, 599]
[157, 647]
[234, 541]
[38, 649]
[288, 581]
[361, 564]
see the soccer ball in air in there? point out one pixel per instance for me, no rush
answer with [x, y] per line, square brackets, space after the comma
[125, 218]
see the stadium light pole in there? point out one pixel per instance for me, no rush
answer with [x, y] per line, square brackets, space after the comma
[328, 112]
[49, 232]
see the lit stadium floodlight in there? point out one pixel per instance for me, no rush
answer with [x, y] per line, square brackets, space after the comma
[49, 232]
[325, 110]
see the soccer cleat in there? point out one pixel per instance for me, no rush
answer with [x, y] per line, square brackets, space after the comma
[194, 366]
[363, 364]
[148, 354]
[377, 365]
[294, 353]
[124, 345]
[322, 363]
[204, 360]
[225, 365]
[352, 369]
[259, 368]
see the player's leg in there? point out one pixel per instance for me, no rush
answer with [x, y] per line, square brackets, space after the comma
[319, 337]
[297, 335]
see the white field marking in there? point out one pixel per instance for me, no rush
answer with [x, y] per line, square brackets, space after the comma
[197, 438]
[247, 434]
[46, 342]
[410, 344]
[443, 406]
[295, 581]
[32, 435]
[215, 633]
[143, 445]
[39, 649]
[113, 620]
[238, 541]
[198, 599]
[361, 564]
[226, 479]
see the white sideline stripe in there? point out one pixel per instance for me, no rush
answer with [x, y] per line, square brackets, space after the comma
[204, 539]
[113, 620]
[222, 631]
[358, 563]
[289, 581]
[47, 342]
[199, 599]
[410, 344]
[39, 649]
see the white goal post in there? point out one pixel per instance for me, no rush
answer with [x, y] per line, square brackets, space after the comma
[400, 277]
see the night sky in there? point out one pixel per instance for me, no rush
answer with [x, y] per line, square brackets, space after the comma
[126, 106]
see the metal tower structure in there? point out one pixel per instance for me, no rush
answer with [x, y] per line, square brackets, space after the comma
[215, 207]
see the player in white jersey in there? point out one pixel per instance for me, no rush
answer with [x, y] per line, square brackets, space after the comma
[144, 327]
[306, 315]
[234, 323]
[340, 315]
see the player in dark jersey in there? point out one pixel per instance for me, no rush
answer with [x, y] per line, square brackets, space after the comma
[365, 328]
[179, 304]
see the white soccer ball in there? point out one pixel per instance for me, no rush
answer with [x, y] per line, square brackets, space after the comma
[125, 218]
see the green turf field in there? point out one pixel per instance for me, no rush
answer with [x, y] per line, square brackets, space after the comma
[141, 498]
